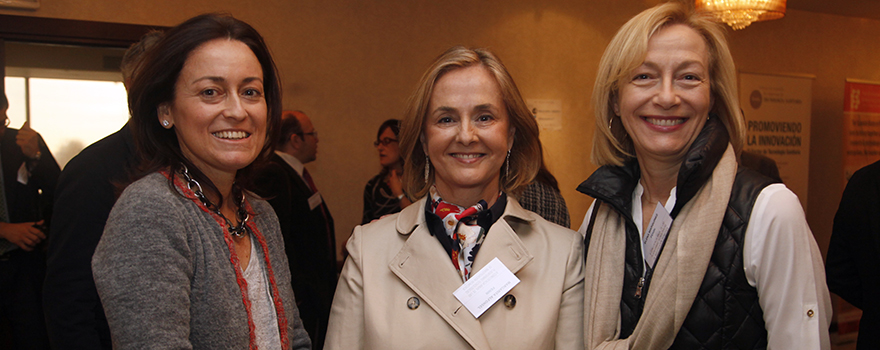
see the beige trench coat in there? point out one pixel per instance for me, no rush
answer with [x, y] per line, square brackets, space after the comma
[395, 261]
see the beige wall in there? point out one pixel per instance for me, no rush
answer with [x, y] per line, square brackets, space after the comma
[351, 64]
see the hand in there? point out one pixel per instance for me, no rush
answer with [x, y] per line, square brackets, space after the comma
[23, 234]
[393, 181]
[28, 140]
[397, 188]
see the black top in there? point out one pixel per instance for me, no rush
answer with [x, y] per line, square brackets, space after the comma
[86, 192]
[25, 202]
[379, 200]
[851, 266]
[309, 241]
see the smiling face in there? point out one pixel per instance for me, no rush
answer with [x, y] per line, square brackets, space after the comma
[219, 111]
[665, 104]
[467, 132]
[388, 153]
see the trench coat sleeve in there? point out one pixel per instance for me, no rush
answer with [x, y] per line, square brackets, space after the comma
[346, 328]
[570, 329]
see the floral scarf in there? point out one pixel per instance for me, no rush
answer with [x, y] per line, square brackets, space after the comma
[461, 226]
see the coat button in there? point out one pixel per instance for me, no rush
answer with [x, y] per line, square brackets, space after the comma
[509, 301]
[810, 313]
[413, 303]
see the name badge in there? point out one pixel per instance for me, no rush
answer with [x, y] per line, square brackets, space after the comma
[487, 286]
[315, 200]
[656, 233]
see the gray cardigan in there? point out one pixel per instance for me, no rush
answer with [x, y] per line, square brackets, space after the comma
[163, 273]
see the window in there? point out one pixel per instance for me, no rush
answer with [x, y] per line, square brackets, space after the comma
[69, 114]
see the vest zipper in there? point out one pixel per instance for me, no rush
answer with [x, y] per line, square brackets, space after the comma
[639, 287]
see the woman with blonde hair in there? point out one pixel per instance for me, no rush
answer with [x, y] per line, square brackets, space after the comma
[469, 143]
[686, 249]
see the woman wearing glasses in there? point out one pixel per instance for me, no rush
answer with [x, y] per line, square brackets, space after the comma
[384, 192]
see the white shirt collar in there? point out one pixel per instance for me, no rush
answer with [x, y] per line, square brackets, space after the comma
[292, 161]
[637, 204]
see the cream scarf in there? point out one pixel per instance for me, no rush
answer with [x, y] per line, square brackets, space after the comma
[677, 276]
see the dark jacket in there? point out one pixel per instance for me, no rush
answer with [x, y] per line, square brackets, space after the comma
[85, 194]
[309, 240]
[725, 313]
[31, 202]
[851, 266]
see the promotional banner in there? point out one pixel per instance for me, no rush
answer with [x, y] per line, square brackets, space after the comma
[777, 110]
[861, 125]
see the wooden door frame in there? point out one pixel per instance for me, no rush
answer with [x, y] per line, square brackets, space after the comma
[66, 32]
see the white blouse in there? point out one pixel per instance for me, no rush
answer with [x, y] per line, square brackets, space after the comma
[782, 261]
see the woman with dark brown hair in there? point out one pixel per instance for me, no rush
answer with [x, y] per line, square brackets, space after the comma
[189, 258]
[383, 194]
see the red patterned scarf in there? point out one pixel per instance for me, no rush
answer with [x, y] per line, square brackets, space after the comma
[467, 237]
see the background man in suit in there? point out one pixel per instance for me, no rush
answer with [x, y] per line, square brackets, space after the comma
[28, 182]
[309, 237]
[86, 193]
[851, 266]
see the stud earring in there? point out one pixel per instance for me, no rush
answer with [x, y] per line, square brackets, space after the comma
[165, 123]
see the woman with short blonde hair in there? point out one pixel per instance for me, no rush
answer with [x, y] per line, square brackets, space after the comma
[627, 51]
[687, 250]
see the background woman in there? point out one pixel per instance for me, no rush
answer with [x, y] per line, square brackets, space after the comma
[468, 140]
[384, 192]
[739, 268]
[189, 258]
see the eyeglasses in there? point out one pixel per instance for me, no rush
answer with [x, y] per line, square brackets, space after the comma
[313, 133]
[384, 142]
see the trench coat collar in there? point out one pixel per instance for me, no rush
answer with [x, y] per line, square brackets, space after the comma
[424, 266]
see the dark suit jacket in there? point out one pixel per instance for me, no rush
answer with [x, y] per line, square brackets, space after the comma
[310, 246]
[24, 202]
[22, 275]
[851, 266]
[86, 192]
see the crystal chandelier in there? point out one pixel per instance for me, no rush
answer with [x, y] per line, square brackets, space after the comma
[740, 13]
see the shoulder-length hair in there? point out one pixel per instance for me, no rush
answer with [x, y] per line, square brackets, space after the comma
[627, 51]
[157, 147]
[393, 124]
[525, 156]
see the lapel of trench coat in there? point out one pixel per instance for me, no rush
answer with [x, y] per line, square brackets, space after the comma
[424, 266]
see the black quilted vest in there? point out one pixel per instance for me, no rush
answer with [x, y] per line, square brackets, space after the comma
[725, 313]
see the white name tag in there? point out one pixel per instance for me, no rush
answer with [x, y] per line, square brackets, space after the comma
[656, 233]
[315, 200]
[484, 288]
